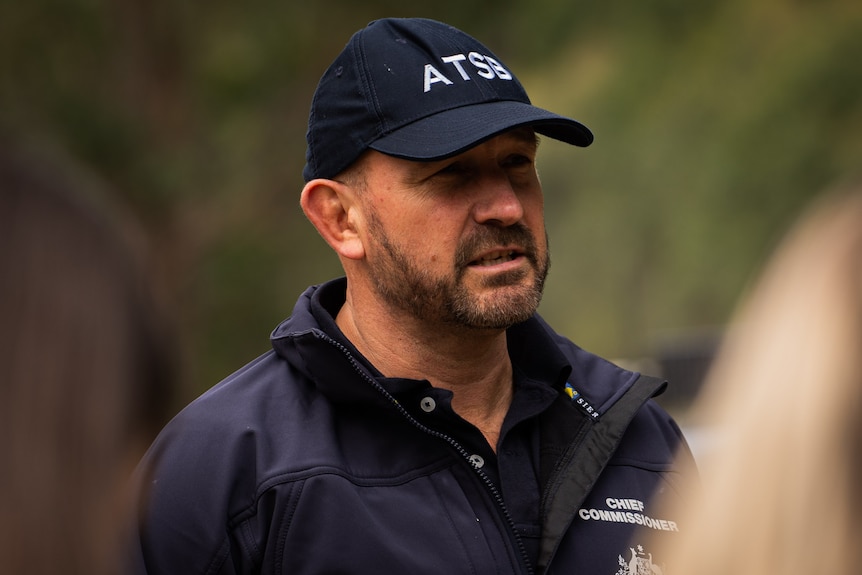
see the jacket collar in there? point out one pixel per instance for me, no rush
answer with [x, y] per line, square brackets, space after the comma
[312, 343]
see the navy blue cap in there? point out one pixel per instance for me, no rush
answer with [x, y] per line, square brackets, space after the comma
[421, 90]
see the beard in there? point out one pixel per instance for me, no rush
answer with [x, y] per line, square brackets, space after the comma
[404, 284]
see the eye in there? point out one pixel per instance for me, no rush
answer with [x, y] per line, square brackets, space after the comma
[517, 160]
[455, 168]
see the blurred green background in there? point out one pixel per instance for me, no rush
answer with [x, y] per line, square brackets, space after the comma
[715, 123]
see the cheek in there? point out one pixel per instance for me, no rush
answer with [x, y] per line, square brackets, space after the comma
[434, 251]
[534, 215]
[438, 233]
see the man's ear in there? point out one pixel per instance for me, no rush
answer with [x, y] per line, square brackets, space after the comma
[333, 209]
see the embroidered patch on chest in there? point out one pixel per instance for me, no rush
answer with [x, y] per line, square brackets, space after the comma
[640, 563]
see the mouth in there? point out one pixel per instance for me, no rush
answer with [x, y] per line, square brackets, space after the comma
[495, 258]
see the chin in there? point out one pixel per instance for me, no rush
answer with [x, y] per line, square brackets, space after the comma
[499, 311]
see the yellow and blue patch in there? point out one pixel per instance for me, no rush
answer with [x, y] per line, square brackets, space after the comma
[579, 400]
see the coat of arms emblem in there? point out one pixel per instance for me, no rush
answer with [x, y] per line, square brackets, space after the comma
[640, 563]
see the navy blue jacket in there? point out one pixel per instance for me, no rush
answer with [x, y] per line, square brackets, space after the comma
[308, 460]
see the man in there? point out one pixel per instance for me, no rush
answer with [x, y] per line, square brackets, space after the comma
[416, 416]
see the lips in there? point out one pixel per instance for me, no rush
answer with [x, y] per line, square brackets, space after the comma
[489, 246]
[495, 258]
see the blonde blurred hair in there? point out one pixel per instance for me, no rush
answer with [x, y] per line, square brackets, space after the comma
[781, 485]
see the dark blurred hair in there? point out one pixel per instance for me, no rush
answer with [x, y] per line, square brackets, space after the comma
[86, 370]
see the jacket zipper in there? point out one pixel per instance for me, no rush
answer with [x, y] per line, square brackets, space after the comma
[462, 452]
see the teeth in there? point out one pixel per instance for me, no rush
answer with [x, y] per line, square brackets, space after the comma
[496, 258]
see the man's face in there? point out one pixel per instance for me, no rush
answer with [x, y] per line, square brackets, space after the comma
[459, 241]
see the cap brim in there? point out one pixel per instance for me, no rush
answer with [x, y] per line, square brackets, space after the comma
[451, 132]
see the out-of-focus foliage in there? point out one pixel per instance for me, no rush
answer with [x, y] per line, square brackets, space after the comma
[714, 122]
[713, 129]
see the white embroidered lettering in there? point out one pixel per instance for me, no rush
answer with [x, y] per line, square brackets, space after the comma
[501, 72]
[632, 504]
[456, 60]
[486, 67]
[626, 511]
[432, 76]
[479, 61]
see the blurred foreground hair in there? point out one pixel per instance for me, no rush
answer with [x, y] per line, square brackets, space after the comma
[86, 371]
[781, 484]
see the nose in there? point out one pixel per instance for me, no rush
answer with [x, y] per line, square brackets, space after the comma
[497, 201]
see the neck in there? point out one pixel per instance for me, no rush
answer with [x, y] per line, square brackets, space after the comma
[473, 364]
